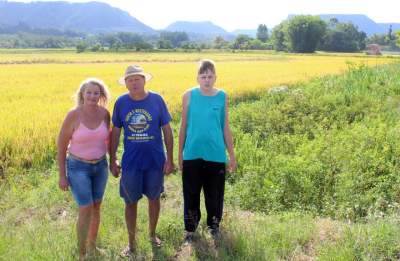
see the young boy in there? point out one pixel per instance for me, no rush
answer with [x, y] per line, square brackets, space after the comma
[203, 137]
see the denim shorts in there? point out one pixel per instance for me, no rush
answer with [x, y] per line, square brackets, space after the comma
[136, 183]
[87, 180]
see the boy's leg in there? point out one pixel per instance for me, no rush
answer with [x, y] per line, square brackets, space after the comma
[214, 186]
[192, 184]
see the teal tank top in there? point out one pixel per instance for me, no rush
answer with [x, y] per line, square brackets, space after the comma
[205, 127]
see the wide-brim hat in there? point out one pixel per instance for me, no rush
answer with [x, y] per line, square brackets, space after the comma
[135, 70]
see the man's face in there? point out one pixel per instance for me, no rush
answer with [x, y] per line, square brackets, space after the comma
[135, 84]
[206, 79]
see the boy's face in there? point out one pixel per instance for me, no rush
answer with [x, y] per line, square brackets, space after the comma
[206, 79]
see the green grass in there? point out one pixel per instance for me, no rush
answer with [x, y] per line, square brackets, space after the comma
[38, 223]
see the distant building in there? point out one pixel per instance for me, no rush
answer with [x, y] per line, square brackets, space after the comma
[374, 49]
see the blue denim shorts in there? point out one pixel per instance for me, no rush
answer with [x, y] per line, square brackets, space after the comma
[136, 183]
[87, 180]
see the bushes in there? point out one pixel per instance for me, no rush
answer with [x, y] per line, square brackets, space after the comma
[331, 146]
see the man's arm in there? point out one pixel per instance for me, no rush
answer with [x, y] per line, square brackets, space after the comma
[114, 142]
[169, 145]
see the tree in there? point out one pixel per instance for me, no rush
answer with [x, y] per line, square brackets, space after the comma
[241, 42]
[175, 38]
[220, 43]
[343, 37]
[262, 33]
[279, 38]
[81, 47]
[305, 32]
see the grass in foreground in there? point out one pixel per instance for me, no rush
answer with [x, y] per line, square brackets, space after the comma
[37, 222]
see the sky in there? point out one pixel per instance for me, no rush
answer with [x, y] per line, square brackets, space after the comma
[247, 14]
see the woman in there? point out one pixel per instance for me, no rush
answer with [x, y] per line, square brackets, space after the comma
[82, 146]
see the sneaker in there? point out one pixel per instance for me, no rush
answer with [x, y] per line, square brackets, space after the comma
[188, 239]
[215, 233]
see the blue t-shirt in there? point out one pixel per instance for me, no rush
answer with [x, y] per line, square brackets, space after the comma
[142, 121]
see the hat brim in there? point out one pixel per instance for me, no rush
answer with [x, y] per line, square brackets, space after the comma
[147, 77]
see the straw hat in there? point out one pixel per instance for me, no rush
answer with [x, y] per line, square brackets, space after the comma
[134, 70]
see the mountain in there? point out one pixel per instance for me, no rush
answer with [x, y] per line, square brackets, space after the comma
[249, 32]
[196, 27]
[363, 22]
[90, 17]
[386, 26]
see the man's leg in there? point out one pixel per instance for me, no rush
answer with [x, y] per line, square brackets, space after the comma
[154, 213]
[130, 219]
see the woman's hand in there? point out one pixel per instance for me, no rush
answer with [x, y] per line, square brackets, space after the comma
[63, 183]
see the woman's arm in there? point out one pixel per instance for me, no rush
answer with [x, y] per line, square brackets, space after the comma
[64, 137]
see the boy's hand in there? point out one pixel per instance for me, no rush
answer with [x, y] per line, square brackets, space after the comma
[232, 165]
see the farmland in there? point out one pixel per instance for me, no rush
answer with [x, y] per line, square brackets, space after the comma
[37, 86]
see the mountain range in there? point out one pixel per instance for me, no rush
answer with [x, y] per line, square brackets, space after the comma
[95, 17]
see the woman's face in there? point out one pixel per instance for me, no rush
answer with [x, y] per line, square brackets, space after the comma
[91, 95]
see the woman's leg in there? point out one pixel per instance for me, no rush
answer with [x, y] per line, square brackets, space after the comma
[82, 227]
[94, 226]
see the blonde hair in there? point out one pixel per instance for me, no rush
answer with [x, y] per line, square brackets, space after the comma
[104, 93]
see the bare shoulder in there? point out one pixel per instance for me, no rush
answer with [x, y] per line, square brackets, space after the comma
[73, 115]
[186, 96]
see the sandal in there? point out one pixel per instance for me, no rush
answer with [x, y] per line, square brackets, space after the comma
[155, 241]
[127, 252]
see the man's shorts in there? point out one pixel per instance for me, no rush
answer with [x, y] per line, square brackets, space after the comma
[87, 180]
[136, 183]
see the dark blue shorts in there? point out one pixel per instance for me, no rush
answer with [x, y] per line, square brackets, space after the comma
[136, 183]
[87, 180]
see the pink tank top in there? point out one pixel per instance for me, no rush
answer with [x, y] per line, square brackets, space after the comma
[89, 144]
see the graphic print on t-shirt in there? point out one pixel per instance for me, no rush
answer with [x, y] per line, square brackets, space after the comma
[138, 121]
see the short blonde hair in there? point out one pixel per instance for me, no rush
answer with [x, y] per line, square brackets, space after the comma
[104, 93]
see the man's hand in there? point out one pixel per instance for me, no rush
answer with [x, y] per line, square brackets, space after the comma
[169, 167]
[115, 168]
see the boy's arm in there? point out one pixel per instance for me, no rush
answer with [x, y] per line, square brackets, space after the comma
[182, 129]
[229, 140]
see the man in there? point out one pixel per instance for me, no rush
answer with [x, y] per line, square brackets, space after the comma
[142, 114]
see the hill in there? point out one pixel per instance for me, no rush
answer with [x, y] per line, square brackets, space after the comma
[92, 17]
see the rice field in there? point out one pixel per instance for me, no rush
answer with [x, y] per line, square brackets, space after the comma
[37, 87]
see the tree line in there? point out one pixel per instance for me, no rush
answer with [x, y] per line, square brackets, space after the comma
[300, 34]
